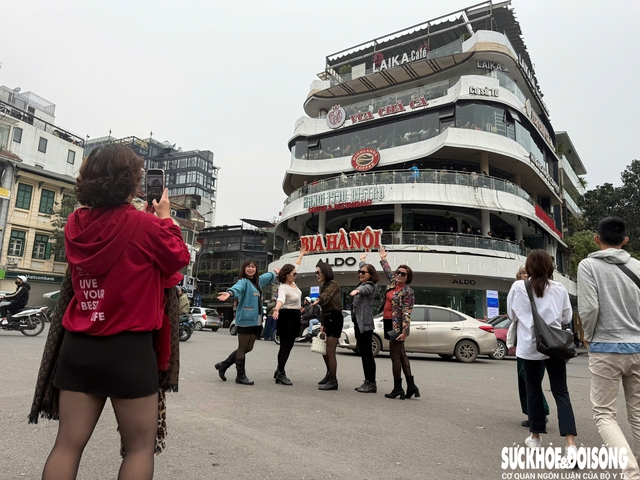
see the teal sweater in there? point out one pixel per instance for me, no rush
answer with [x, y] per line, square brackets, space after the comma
[249, 309]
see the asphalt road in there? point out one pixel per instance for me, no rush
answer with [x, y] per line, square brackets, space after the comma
[219, 430]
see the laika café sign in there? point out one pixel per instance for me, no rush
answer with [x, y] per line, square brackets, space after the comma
[398, 60]
[343, 198]
[366, 240]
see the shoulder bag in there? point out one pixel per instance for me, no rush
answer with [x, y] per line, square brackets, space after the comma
[550, 341]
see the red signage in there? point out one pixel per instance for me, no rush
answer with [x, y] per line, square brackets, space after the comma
[542, 215]
[365, 159]
[366, 240]
[336, 117]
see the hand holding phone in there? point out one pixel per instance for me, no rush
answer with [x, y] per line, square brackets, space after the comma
[163, 208]
[155, 185]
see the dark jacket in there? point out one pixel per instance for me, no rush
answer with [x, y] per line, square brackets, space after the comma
[20, 297]
[362, 304]
[330, 299]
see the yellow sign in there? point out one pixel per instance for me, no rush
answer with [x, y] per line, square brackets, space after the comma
[4, 193]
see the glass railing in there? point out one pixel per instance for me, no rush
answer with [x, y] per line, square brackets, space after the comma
[508, 84]
[571, 203]
[443, 239]
[571, 174]
[406, 177]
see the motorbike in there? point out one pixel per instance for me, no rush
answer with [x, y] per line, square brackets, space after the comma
[306, 336]
[29, 321]
[186, 327]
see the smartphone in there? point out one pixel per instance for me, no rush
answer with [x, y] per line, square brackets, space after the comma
[155, 185]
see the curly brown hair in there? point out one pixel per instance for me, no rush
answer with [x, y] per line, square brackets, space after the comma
[109, 176]
[285, 270]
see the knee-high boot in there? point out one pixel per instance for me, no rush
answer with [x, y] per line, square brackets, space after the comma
[242, 377]
[223, 366]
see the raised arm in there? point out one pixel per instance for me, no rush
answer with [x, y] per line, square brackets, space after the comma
[385, 265]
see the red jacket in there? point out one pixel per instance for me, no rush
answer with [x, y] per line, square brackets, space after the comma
[120, 260]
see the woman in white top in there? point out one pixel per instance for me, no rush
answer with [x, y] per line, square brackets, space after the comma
[552, 302]
[287, 315]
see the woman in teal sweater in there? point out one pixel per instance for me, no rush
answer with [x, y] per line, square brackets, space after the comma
[248, 293]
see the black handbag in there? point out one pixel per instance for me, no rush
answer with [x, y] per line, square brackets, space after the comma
[550, 341]
[393, 334]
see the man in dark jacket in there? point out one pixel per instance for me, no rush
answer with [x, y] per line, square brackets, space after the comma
[18, 299]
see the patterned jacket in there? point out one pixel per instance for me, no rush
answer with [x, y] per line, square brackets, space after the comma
[401, 303]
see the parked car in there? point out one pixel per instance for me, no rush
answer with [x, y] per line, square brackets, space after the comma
[205, 318]
[438, 330]
[500, 328]
[53, 295]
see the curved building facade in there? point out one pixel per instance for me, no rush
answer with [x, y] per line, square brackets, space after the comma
[436, 143]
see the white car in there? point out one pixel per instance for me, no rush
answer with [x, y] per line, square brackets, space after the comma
[439, 330]
[205, 318]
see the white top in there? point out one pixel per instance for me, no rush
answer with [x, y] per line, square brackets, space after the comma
[554, 308]
[290, 296]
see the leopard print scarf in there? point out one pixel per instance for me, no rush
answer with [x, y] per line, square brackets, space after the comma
[47, 396]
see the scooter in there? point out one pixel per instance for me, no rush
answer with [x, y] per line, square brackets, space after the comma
[29, 321]
[186, 327]
[306, 336]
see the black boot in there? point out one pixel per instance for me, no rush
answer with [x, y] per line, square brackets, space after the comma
[368, 387]
[332, 384]
[364, 384]
[397, 389]
[411, 388]
[241, 376]
[281, 378]
[223, 366]
[325, 379]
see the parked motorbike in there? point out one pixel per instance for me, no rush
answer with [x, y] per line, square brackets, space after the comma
[306, 336]
[29, 321]
[186, 327]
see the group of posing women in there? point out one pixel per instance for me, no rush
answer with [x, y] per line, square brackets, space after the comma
[396, 307]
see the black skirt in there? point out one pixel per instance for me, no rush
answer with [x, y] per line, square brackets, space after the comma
[118, 366]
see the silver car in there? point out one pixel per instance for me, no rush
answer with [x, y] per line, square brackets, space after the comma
[205, 318]
[438, 330]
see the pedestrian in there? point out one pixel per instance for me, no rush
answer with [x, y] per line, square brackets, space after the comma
[552, 302]
[184, 302]
[609, 307]
[107, 344]
[269, 325]
[522, 383]
[396, 308]
[415, 172]
[332, 322]
[247, 292]
[287, 315]
[362, 316]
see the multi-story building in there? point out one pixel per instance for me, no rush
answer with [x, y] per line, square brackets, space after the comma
[187, 172]
[438, 140]
[225, 248]
[26, 240]
[28, 129]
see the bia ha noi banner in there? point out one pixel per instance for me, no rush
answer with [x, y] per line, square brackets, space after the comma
[367, 240]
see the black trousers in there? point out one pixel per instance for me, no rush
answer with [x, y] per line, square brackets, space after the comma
[288, 325]
[363, 342]
[557, 371]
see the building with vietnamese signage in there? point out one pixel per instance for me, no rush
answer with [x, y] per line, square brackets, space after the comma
[436, 143]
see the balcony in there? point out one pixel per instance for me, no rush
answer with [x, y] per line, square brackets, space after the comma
[29, 118]
[406, 176]
[424, 240]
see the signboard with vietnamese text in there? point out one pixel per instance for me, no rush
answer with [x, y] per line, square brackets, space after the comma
[343, 198]
[367, 240]
[493, 304]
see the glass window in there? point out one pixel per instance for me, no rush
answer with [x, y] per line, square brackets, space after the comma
[42, 145]
[61, 256]
[71, 157]
[418, 314]
[4, 135]
[41, 247]
[47, 200]
[23, 199]
[16, 243]
[437, 315]
[464, 117]
[17, 135]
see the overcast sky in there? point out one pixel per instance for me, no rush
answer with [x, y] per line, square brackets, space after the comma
[231, 76]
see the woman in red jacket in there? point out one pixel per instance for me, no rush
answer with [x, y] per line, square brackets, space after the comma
[107, 351]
